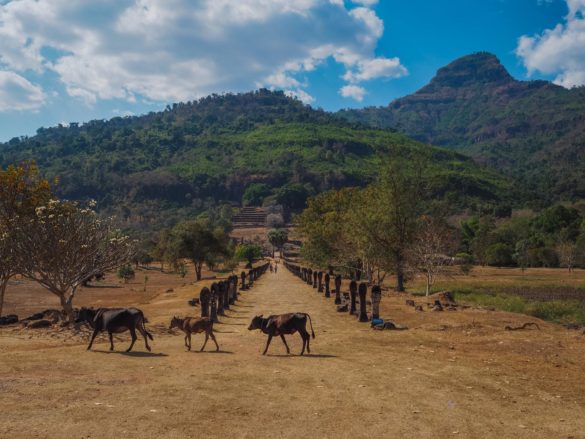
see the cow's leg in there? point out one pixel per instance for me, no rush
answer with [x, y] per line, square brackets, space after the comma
[267, 344]
[186, 344]
[205, 342]
[143, 332]
[212, 335]
[189, 339]
[93, 336]
[304, 342]
[133, 333]
[111, 341]
[284, 341]
[308, 337]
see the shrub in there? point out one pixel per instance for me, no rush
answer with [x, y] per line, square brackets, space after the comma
[126, 272]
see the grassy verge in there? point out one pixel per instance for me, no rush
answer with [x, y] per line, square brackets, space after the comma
[558, 311]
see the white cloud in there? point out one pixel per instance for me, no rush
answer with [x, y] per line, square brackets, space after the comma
[353, 91]
[559, 51]
[365, 2]
[18, 94]
[171, 50]
[376, 68]
[302, 95]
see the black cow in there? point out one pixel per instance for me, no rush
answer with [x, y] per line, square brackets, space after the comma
[115, 320]
[282, 324]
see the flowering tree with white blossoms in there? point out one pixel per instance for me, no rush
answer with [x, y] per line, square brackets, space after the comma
[64, 244]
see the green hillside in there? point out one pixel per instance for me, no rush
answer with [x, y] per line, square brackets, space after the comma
[532, 131]
[154, 169]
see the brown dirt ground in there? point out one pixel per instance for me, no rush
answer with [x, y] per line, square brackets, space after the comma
[452, 374]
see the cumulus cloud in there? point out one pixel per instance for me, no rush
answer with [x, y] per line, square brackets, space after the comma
[18, 94]
[353, 91]
[559, 51]
[176, 50]
[376, 68]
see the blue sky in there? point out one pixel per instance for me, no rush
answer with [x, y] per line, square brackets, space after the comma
[75, 60]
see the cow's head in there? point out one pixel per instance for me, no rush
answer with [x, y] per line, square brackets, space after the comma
[175, 322]
[85, 315]
[256, 323]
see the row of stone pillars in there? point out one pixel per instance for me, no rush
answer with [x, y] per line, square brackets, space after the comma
[217, 298]
[321, 281]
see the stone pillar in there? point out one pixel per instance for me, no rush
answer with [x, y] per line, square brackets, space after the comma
[213, 308]
[244, 286]
[376, 297]
[327, 285]
[224, 287]
[204, 299]
[363, 291]
[218, 297]
[338, 289]
[250, 278]
[352, 294]
[235, 282]
[315, 275]
[320, 282]
[310, 277]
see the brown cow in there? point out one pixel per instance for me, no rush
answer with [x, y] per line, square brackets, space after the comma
[195, 325]
[282, 324]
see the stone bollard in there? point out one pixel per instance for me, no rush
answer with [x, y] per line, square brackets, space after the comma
[218, 298]
[244, 286]
[204, 298]
[315, 275]
[363, 291]
[352, 294]
[213, 308]
[376, 297]
[327, 284]
[235, 284]
[250, 278]
[320, 282]
[310, 276]
[224, 287]
[338, 289]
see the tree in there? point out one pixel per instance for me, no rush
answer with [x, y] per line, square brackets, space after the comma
[385, 215]
[255, 193]
[8, 261]
[198, 242]
[64, 245]
[499, 255]
[277, 237]
[567, 253]
[249, 253]
[429, 252]
[21, 191]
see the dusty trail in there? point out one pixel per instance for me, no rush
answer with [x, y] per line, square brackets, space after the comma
[357, 382]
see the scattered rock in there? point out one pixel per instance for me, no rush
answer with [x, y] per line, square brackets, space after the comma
[193, 302]
[343, 308]
[437, 306]
[418, 308]
[36, 324]
[389, 325]
[10, 319]
[170, 290]
[524, 326]
[410, 302]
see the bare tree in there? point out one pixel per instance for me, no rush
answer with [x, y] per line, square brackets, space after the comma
[567, 252]
[8, 263]
[63, 245]
[429, 251]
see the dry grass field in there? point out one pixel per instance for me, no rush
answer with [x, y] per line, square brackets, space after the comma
[451, 374]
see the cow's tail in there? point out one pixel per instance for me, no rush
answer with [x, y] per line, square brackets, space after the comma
[142, 321]
[311, 323]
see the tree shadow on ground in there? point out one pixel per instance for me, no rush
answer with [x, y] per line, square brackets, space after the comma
[302, 356]
[221, 351]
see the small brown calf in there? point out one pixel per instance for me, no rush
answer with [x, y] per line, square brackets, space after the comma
[195, 325]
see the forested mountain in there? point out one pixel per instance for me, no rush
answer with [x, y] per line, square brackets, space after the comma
[154, 169]
[533, 131]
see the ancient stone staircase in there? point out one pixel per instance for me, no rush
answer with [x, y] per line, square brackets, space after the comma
[250, 217]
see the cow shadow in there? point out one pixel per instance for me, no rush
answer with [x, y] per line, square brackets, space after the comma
[221, 351]
[138, 354]
[301, 356]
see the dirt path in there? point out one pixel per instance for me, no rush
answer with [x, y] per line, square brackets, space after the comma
[357, 382]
